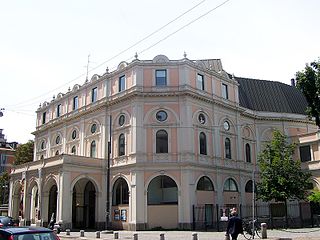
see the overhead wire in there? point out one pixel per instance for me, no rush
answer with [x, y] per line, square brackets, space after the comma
[179, 29]
[111, 58]
[135, 44]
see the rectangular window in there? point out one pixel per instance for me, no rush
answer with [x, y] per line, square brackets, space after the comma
[161, 77]
[44, 117]
[305, 153]
[94, 94]
[225, 91]
[200, 81]
[59, 110]
[122, 80]
[75, 103]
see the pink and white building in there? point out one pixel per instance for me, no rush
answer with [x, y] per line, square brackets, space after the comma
[184, 135]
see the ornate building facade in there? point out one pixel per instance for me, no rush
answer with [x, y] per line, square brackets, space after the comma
[183, 133]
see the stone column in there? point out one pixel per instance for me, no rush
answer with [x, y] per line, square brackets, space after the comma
[137, 202]
[39, 221]
[186, 199]
[64, 208]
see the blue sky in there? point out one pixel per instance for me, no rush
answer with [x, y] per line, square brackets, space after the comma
[44, 45]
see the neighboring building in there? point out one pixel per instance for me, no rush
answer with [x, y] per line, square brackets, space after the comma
[184, 134]
[7, 157]
[309, 154]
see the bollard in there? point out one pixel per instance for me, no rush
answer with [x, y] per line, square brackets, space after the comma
[161, 236]
[81, 233]
[194, 236]
[135, 236]
[263, 230]
[97, 234]
[68, 232]
[116, 235]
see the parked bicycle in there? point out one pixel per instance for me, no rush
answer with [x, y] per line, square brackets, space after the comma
[248, 232]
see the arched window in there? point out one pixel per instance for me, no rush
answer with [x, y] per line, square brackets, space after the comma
[248, 187]
[121, 146]
[227, 148]
[248, 153]
[230, 185]
[161, 141]
[93, 149]
[120, 193]
[73, 150]
[205, 184]
[203, 143]
[162, 190]
[57, 152]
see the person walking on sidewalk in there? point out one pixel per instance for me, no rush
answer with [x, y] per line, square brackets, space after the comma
[234, 227]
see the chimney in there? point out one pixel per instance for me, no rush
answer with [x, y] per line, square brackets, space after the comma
[293, 82]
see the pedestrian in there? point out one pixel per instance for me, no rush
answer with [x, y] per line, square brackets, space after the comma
[234, 225]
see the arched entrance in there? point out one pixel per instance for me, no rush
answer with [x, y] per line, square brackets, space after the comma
[203, 212]
[52, 208]
[120, 204]
[84, 204]
[162, 203]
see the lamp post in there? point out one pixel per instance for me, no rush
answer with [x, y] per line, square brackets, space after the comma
[108, 178]
[253, 203]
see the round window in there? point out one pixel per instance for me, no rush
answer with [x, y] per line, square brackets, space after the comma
[93, 128]
[74, 134]
[161, 116]
[202, 118]
[121, 120]
[226, 125]
[58, 139]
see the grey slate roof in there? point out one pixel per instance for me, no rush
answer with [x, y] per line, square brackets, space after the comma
[262, 95]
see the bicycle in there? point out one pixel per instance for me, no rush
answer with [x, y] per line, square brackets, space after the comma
[247, 229]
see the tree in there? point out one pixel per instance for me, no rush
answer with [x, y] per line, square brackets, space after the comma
[281, 176]
[308, 81]
[314, 199]
[24, 153]
[314, 196]
[4, 188]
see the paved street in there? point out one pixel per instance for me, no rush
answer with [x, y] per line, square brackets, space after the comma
[296, 234]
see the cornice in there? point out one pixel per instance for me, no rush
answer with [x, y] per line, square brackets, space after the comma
[179, 91]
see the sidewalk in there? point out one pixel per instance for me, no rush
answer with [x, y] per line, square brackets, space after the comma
[296, 234]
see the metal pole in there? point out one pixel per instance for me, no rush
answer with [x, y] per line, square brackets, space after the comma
[253, 203]
[108, 177]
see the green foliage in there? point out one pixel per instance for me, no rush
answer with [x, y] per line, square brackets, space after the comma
[24, 153]
[4, 188]
[308, 81]
[314, 196]
[281, 176]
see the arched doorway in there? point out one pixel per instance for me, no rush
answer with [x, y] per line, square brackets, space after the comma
[52, 207]
[120, 204]
[84, 204]
[203, 212]
[162, 203]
